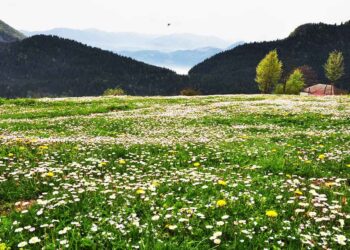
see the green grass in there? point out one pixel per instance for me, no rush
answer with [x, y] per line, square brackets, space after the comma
[147, 173]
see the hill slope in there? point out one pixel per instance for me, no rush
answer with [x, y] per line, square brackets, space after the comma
[47, 65]
[9, 34]
[233, 71]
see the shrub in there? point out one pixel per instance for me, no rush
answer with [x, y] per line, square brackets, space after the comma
[114, 92]
[190, 92]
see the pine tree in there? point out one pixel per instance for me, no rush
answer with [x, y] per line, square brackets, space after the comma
[268, 72]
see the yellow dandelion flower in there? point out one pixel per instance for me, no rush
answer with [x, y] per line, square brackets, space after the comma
[50, 174]
[155, 184]
[140, 191]
[329, 184]
[102, 164]
[196, 164]
[348, 165]
[298, 192]
[10, 155]
[43, 147]
[222, 182]
[321, 157]
[221, 203]
[122, 161]
[271, 213]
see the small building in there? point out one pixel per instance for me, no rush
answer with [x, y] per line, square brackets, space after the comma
[324, 89]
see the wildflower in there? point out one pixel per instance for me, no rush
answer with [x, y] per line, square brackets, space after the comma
[34, 240]
[225, 217]
[217, 241]
[43, 147]
[341, 239]
[222, 182]
[271, 213]
[102, 164]
[50, 174]
[348, 165]
[155, 217]
[10, 155]
[196, 164]
[172, 227]
[298, 192]
[329, 184]
[140, 191]
[217, 234]
[221, 203]
[155, 184]
[321, 157]
[122, 161]
[94, 228]
[22, 244]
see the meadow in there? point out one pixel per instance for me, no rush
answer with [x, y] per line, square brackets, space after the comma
[211, 172]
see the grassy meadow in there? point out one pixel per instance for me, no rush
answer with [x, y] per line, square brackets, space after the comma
[214, 172]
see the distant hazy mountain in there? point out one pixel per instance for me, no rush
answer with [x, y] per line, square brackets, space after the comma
[9, 34]
[180, 60]
[122, 41]
[179, 52]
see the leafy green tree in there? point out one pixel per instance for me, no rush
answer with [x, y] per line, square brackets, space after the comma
[268, 72]
[279, 89]
[115, 92]
[334, 67]
[295, 83]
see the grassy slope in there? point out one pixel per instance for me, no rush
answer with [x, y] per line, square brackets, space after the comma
[99, 171]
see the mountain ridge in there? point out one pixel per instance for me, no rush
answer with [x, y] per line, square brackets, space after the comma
[233, 71]
[9, 34]
[52, 66]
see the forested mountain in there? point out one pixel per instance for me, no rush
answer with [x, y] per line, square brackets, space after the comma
[52, 66]
[9, 34]
[233, 71]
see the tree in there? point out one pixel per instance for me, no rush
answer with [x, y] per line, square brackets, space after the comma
[334, 67]
[268, 72]
[115, 92]
[310, 75]
[295, 83]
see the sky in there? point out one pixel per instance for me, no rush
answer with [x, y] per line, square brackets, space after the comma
[232, 20]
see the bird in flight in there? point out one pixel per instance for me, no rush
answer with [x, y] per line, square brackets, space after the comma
[169, 24]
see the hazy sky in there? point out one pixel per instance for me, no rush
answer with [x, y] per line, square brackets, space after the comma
[233, 20]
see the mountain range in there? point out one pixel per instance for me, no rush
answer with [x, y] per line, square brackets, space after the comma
[44, 65]
[52, 66]
[179, 52]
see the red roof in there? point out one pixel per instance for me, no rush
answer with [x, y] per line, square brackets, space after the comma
[324, 89]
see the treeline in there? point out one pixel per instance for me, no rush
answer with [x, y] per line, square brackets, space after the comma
[269, 71]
